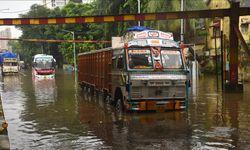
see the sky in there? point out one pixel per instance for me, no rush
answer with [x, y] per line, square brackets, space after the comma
[12, 9]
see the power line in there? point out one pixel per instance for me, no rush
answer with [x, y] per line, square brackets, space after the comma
[13, 12]
[57, 41]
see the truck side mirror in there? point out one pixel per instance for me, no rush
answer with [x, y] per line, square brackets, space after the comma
[120, 63]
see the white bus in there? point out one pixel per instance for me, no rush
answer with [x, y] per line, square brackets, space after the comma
[43, 66]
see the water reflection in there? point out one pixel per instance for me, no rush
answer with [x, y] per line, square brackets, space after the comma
[215, 117]
[8, 81]
[56, 115]
[133, 130]
[155, 131]
[45, 91]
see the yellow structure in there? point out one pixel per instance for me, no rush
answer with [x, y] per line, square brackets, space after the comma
[244, 27]
[216, 25]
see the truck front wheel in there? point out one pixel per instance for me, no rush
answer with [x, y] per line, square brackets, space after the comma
[119, 105]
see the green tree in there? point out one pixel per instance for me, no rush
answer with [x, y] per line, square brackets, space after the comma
[109, 7]
[82, 31]
[94, 31]
[28, 49]
[61, 51]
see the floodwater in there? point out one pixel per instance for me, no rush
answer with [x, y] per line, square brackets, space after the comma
[55, 114]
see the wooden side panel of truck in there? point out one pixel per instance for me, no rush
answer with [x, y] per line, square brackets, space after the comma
[94, 69]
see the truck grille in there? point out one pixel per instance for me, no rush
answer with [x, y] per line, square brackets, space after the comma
[159, 89]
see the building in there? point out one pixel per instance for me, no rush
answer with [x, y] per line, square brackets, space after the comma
[4, 43]
[87, 1]
[61, 3]
[244, 23]
[216, 25]
[218, 28]
[54, 3]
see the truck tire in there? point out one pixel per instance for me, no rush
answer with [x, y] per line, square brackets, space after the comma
[119, 105]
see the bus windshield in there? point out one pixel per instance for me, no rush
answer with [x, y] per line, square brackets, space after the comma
[140, 59]
[43, 63]
[171, 59]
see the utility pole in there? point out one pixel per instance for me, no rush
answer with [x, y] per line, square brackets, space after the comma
[74, 46]
[182, 24]
[139, 10]
[216, 57]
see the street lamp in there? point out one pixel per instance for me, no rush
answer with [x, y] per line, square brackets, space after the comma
[74, 46]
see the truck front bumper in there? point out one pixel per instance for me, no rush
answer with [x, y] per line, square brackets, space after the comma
[150, 105]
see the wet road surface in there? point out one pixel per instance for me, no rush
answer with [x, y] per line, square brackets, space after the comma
[55, 114]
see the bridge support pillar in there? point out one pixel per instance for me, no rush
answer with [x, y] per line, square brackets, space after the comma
[233, 85]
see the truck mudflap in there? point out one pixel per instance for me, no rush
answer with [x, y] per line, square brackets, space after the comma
[156, 105]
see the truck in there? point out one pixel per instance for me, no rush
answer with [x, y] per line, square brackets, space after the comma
[9, 63]
[43, 66]
[146, 71]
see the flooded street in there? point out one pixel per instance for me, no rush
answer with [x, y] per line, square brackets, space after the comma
[55, 114]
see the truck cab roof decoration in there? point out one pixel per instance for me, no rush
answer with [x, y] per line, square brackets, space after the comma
[153, 42]
[138, 28]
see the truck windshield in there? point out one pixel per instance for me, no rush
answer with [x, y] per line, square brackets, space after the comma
[140, 59]
[43, 63]
[10, 63]
[171, 59]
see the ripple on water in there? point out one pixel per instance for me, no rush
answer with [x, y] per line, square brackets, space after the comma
[216, 138]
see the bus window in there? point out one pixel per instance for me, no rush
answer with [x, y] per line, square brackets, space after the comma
[43, 63]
